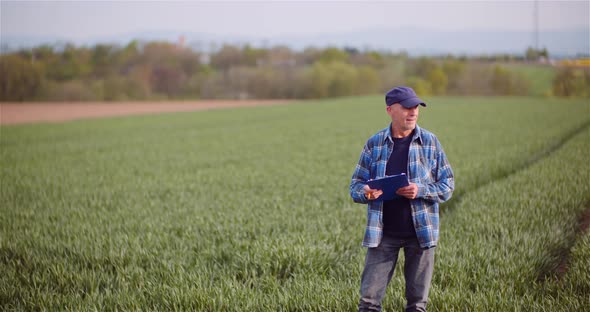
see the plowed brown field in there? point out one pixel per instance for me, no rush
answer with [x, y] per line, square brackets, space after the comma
[17, 113]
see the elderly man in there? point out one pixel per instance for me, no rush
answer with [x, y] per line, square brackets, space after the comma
[411, 220]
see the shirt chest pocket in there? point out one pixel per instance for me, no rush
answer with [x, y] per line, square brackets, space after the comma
[379, 162]
[426, 169]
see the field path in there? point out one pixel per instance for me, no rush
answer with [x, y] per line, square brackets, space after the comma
[18, 113]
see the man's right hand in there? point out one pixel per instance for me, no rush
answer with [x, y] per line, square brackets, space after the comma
[372, 194]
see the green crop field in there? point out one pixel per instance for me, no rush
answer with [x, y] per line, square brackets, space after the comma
[248, 209]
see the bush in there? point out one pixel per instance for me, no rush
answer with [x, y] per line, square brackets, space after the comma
[504, 82]
[571, 81]
[74, 90]
[421, 86]
[368, 81]
[439, 81]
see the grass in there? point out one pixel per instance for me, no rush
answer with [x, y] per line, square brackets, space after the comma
[508, 237]
[248, 209]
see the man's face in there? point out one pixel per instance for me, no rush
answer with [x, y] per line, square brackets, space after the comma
[403, 119]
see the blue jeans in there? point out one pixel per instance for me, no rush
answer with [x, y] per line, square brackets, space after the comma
[379, 267]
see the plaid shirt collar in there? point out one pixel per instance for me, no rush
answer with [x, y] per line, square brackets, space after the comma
[389, 136]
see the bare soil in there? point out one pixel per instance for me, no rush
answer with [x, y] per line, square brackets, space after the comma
[583, 228]
[19, 113]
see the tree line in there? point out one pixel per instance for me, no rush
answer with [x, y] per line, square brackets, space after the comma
[163, 70]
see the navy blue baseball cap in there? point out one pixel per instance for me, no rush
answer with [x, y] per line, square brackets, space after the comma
[405, 96]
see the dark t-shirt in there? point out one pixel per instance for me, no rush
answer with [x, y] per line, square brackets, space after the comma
[397, 214]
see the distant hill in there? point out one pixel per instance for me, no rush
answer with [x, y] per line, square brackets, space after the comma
[560, 43]
[428, 42]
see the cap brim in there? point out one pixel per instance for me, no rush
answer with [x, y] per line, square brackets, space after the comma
[411, 102]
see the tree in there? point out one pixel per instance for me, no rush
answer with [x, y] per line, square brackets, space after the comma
[421, 67]
[167, 80]
[320, 80]
[533, 54]
[227, 57]
[343, 79]
[367, 80]
[454, 70]
[101, 60]
[20, 79]
[332, 54]
[253, 56]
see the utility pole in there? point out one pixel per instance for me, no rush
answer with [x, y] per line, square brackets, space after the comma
[536, 26]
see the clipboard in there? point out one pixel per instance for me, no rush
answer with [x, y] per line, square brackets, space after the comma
[389, 185]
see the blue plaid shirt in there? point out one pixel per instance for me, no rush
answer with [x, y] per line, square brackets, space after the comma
[428, 167]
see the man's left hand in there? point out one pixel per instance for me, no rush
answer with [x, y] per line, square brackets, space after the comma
[409, 192]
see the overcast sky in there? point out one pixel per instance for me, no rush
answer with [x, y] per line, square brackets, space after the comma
[82, 19]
